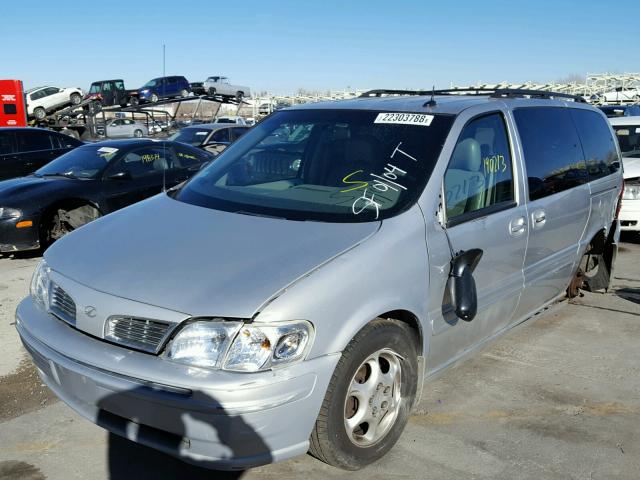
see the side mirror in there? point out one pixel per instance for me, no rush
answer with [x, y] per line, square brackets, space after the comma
[124, 175]
[462, 285]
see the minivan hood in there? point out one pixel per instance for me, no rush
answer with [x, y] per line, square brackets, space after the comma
[196, 260]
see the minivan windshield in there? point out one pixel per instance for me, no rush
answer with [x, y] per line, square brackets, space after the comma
[629, 139]
[324, 165]
[83, 162]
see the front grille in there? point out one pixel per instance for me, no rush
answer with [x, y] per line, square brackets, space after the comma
[140, 333]
[62, 305]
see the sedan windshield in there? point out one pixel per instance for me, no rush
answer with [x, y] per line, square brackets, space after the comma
[325, 165]
[629, 140]
[191, 136]
[83, 162]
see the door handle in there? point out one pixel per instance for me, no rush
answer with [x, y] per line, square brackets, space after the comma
[517, 226]
[539, 218]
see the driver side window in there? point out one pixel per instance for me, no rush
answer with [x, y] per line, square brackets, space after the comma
[144, 161]
[480, 173]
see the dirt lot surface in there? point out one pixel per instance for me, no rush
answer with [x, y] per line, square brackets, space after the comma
[555, 398]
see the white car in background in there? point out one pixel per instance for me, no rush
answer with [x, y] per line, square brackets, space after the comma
[231, 119]
[628, 132]
[42, 100]
[621, 94]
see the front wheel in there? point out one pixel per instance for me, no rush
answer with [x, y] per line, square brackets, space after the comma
[75, 99]
[369, 398]
[239, 96]
[137, 133]
[154, 98]
[184, 93]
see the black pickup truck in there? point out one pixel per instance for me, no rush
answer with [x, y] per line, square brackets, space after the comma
[106, 93]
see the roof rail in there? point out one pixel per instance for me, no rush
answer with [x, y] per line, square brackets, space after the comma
[491, 92]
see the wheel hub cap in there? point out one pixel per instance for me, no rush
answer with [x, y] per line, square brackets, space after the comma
[373, 398]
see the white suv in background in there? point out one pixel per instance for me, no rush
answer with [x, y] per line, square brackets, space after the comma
[44, 99]
[628, 132]
[621, 94]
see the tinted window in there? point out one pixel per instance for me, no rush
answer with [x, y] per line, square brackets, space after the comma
[29, 141]
[552, 151]
[119, 85]
[221, 135]
[145, 161]
[238, 132]
[480, 173]
[598, 144]
[188, 157]
[9, 109]
[51, 90]
[6, 143]
[64, 141]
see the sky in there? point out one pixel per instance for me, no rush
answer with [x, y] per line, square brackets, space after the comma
[283, 46]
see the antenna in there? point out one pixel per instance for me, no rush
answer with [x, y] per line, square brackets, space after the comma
[432, 101]
[165, 164]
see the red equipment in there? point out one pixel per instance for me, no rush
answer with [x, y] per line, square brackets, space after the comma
[13, 108]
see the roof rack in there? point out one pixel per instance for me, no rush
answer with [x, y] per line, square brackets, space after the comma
[491, 92]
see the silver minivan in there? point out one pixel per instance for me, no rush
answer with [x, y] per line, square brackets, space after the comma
[295, 294]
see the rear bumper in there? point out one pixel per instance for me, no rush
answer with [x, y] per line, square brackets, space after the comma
[237, 422]
[14, 239]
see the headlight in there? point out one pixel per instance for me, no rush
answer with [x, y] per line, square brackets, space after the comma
[7, 213]
[40, 284]
[631, 192]
[241, 347]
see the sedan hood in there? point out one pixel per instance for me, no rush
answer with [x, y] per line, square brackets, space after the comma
[17, 190]
[196, 260]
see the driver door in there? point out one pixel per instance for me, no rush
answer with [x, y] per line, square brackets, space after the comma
[482, 209]
[140, 173]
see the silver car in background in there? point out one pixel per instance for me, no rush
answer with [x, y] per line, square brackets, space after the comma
[294, 295]
[125, 128]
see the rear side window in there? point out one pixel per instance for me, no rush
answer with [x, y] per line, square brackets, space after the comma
[238, 132]
[6, 143]
[221, 136]
[480, 172]
[552, 151]
[30, 141]
[598, 144]
[188, 157]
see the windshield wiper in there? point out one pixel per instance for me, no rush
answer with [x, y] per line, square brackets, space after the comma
[253, 214]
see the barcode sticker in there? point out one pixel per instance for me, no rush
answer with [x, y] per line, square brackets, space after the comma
[420, 119]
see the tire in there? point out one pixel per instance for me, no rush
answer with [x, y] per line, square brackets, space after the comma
[212, 91]
[338, 438]
[133, 101]
[95, 107]
[239, 96]
[184, 93]
[39, 113]
[154, 98]
[75, 99]
[636, 98]
[137, 133]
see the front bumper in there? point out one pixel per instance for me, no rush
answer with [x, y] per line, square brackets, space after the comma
[215, 419]
[630, 215]
[14, 239]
